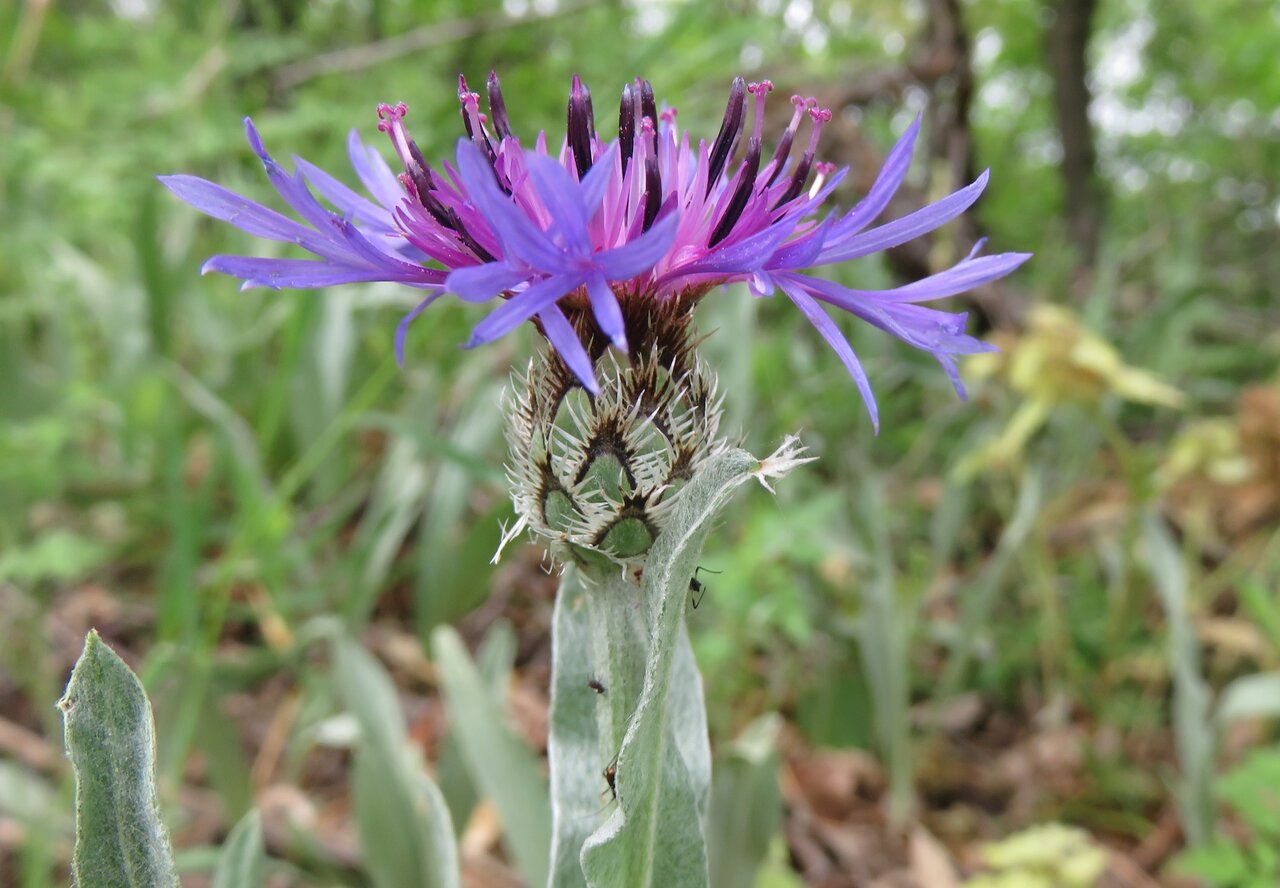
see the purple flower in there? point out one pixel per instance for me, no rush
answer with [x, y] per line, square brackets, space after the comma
[582, 234]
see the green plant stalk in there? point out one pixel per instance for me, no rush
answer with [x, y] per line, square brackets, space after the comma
[1047, 598]
[884, 632]
[977, 601]
[655, 835]
[600, 644]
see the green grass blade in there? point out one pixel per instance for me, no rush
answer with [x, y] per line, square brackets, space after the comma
[504, 768]
[241, 862]
[404, 826]
[1250, 696]
[746, 805]
[1193, 728]
[110, 736]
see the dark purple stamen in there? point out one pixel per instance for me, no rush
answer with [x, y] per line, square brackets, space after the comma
[626, 126]
[417, 179]
[779, 159]
[648, 104]
[420, 174]
[801, 175]
[581, 125]
[472, 120]
[498, 108]
[741, 193]
[465, 236]
[652, 190]
[421, 184]
[750, 168]
[730, 128]
[797, 180]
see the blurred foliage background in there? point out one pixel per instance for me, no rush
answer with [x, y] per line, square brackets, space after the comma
[1054, 604]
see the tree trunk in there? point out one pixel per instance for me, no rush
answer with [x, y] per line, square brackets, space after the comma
[1068, 40]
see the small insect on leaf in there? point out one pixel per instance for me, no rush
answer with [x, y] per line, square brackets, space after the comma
[611, 777]
[697, 587]
[598, 686]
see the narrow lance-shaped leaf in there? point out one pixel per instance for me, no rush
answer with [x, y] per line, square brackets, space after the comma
[403, 823]
[241, 860]
[746, 805]
[504, 768]
[120, 839]
[1193, 727]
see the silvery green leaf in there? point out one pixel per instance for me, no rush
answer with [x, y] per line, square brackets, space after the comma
[599, 652]
[403, 823]
[499, 762]
[241, 860]
[404, 826]
[746, 805]
[1193, 729]
[496, 657]
[1250, 696]
[654, 837]
[687, 706]
[573, 742]
[120, 839]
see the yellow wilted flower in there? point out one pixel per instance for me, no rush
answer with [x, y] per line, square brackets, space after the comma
[1209, 448]
[1056, 361]
[1051, 855]
[1060, 360]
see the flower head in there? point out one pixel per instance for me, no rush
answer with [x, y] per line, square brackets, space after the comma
[576, 237]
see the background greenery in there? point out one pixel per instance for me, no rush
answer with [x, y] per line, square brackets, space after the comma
[1079, 627]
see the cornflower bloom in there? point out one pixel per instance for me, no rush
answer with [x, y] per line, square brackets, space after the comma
[586, 237]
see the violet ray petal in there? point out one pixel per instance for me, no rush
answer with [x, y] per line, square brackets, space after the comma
[247, 215]
[827, 328]
[479, 283]
[743, 256]
[292, 190]
[402, 328]
[299, 274]
[608, 314]
[522, 306]
[516, 232]
[372, 253]
[963, 276]
[909, 227]
[959, 278]
[953, 373]
[597, 181]
[566, 343]
[886, 185]
[641, 254]
[929, 329]
[559, 194]
[801, 252]
[373, 172]
[761, 284]
[346, 200]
